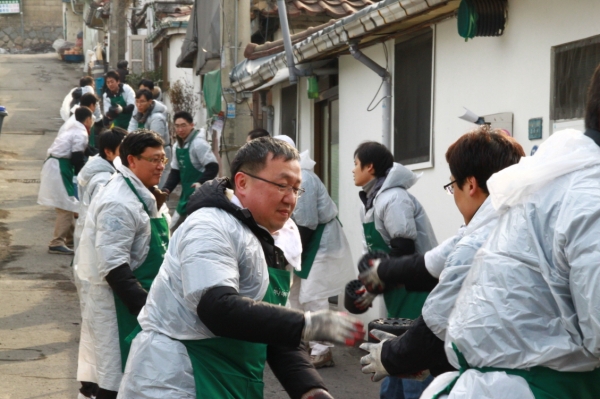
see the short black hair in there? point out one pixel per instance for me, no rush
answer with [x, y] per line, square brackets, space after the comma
[257, 133]
[592, 106]
[183, 114]
[376, 154]
[148, 83]
[86, 81]
[113, 74]
[144, 93]
[88, 99]
[110, 139]
[82, 113]
[480, 153]
[252, 157]
[136, 142]
[122, 64]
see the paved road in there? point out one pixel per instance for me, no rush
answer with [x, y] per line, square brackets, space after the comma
[39, 311]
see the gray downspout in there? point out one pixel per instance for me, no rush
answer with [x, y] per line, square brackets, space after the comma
[287, 44]
[386, 103]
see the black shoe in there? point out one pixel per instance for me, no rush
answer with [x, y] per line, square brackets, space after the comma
[60, 250]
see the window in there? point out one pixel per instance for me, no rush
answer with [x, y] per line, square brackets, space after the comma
[572, 67]
[413, 83]
[288, 111]
[327, 142]
[136, 53]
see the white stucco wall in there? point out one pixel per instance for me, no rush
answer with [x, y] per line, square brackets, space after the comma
[510, 73]
[72, 23]
[185, 75]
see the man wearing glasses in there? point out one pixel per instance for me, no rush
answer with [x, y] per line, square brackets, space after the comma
[193, 163]
[121, 249]
[212, 317]
[472, 159]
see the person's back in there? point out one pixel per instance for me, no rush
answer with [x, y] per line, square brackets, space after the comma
[397, 213]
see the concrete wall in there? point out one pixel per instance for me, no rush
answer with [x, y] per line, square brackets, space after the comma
[73, 23]
[42, 24]
[510, 73]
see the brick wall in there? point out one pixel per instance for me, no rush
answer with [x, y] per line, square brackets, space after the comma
[42, 22]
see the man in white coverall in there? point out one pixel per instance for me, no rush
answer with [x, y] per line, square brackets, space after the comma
[526, 321]
[211, 319]
[122, 246]
[472, 159]
[94, 175]
[65, 158]
[326, 260]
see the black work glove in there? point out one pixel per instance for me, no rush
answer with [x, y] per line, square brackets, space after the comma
[367, 268]
[129, 109]
[114, 111]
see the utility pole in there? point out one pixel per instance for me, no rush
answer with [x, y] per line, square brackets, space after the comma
[235, 23]
[118, 31]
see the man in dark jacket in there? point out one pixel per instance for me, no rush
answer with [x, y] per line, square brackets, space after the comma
[212, 316]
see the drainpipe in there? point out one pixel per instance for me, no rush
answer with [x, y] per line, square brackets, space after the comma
[287, 44]
[386, 104]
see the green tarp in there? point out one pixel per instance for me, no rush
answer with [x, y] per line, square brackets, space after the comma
[211, 88]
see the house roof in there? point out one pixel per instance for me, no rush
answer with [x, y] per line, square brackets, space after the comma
[178, 18]
[374, 24]
[297, 8]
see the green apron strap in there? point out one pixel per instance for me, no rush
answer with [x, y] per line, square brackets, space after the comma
[145, 274]
[188, 173]
[545, 383]
[67, 172]
[309, 254]
[230, 368]
[130, 184]
[122, 120]
[92, 139]
[399, 302]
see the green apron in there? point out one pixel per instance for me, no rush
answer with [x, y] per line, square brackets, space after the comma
[228, 368]
[92, 139]
[141, 125]
[122, 120]
[67, 172]
[545, 383]
[399, 302]
[145, 274]
[189, 175]
[309, 254]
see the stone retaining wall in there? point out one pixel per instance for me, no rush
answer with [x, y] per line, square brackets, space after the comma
[35, 38]
[42, 22]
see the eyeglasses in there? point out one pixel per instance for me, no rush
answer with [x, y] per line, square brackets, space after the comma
[155, 161]
[282, 188]
[449, 188]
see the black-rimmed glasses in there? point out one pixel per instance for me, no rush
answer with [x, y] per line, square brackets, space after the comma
[449, 188]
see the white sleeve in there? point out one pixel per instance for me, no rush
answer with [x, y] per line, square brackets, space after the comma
[107, 103]
[207, 254]
[159, 125]
[397, 211]
[133, 123]
[79, 142]
[129, 94]
[116, 228]
[582, 253]
[435, 258]
[174, 161]
[201, 154]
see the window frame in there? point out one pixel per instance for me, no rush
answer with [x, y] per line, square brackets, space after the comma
[430, 163]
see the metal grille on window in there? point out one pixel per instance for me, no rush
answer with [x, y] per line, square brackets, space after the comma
[573, 65]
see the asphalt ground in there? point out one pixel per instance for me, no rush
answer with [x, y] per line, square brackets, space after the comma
[39, 309]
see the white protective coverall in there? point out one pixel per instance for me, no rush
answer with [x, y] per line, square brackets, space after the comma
[397, 213]
[157, 122]
[73, 137]
[94, 175]
[116, 231]
[128, 96]
[441, 300]
[211, 248]
[531, 297]
[66, 110]
[333, 266]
